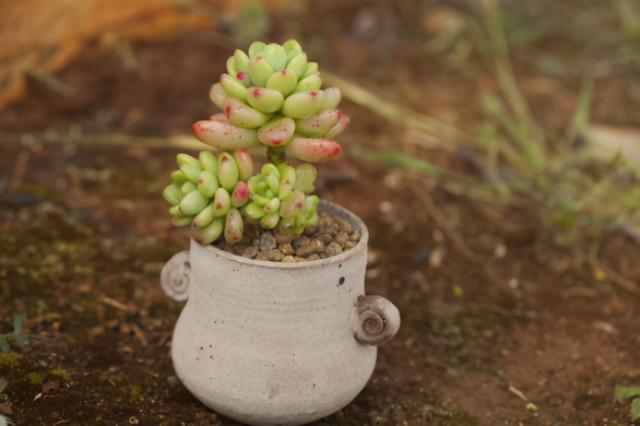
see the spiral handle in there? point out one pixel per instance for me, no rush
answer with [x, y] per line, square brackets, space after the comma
[377, 320]
[175, 276]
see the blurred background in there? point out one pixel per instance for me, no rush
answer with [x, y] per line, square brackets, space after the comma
[493, 151]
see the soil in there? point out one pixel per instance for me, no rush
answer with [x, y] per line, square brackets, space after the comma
[331, 236]
[500, 324]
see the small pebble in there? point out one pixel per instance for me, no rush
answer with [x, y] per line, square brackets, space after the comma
[300, 241]
[344, 225]
[329, 237]
[436, 257]
[342, 238]
[313, 246]
[385, 207]
[333, 249]
[350, 244]
[284, 238]
[373, 256]
[372, 273]
[271, 255]
[267, 242]
[325, 238]
[287, 249]
[500, 251]
[250, 252]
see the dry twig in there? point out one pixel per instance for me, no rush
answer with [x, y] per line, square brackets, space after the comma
[449, 232]
[118, 305]
[619, 280]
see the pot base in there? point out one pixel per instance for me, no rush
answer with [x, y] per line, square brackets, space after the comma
[271, 343]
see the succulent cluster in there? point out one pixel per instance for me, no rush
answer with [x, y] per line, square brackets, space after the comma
[208, 192]
[278, 197]
[216, 194]
[272, 96]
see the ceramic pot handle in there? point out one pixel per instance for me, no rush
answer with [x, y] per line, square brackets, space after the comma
[377, 320]
[174, 277]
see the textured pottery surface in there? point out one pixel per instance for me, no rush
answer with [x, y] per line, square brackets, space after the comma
[269, 343]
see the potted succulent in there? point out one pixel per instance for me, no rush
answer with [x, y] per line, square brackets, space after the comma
[276, 329]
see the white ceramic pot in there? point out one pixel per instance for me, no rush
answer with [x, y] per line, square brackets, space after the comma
[268, 343]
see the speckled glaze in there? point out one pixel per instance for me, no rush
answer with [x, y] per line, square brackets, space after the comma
[269, 343]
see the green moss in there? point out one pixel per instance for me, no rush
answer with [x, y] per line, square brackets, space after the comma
[34, 378]
[135, 394]
[10, 359]
[61, 373]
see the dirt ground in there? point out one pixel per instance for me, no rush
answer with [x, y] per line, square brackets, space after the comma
[500, 326]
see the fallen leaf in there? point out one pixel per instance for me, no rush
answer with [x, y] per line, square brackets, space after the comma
[625, 392]
[635, 409]
[49, 386]
[5, 408]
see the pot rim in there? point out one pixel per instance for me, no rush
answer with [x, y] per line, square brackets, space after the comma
[324, 206]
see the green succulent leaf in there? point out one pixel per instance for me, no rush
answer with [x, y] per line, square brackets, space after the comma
[207, 184]
[233, 227]
[270, 169]
[188, 187]
[254, 211]
[311, 69]
[231, 66]
[209, 162]
[217, 95]
[319, 124]
[240, 194]
[292, 205]
[256, 48]
[265, 100]
[242, 60]
[298, 65]
[224, 135]
[303, 105]
[270, 220]
[182, 159]
[205, 217]
[277, 132]
[260, 70]
[292, 47]
[305, 178]
[191, 171]
[221, 202]
[172, 194]
[228, 172]
[311, 82]
[283, 81]
[233, 88]
[178, 177]
[272, 206]
[192, 203]
[275, 55]
[181, 220]
[332, 97]
[209, 233]
[244, 163]
[242, 115]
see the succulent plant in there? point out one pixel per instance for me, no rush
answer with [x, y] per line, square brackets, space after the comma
[279, 197]
[208, 192]
[272, 96]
